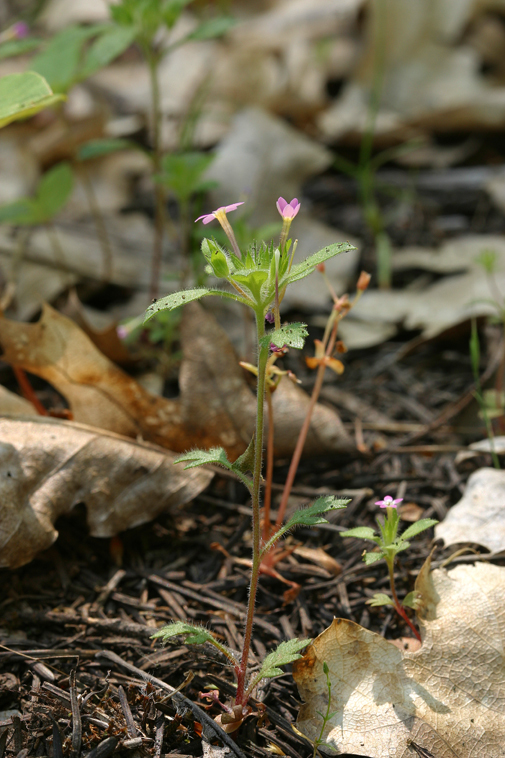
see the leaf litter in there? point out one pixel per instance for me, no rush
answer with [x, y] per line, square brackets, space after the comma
[448, 696]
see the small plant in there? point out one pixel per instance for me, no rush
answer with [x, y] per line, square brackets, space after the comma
[389, 543]
[257, 278]
[326, 716]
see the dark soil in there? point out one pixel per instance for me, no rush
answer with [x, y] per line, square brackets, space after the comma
[76, 658]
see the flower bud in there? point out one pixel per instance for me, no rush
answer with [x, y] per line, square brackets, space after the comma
[321, 268]
[219, 263]
[363, 281]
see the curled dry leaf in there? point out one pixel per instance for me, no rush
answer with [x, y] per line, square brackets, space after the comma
[448, 697]
[215, 407]
[48, 466]
[480, 514]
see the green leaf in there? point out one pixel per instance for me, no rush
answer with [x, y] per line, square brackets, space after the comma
[22, 95]
[194, 635]
[312, 515]
[361, 532]
[307, 266]
[370, 558]
[96, 148]
[203, 457]
[380, 599]
[253, 280]
[412, 600]
[213, 28]
[417, 528]
[20, 213]
[14, 47]
[170, 302]
[292, 335]
[245, 462]
[285, 653]
[59, 62]
[54, 190]
[182, 172]
[109, 45]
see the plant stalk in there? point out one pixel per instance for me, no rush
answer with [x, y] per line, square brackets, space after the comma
[293, 467]
[255, 496]
[398, 606]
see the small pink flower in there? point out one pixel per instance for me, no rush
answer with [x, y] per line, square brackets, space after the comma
[208, 217]
[288, 210]
[20, 30]
[388, 502]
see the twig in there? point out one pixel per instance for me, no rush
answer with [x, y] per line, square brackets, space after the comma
[76, 717]
[213, 729]
[125, 707]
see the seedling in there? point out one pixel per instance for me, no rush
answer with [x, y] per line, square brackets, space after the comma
[257, 278]
[389, 544]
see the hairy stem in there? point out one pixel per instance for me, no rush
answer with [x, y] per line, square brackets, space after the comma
[255, 494]
[398, 606]
[270, 468]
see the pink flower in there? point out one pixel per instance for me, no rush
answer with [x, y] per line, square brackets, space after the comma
[208, 217]
[388, 502]
[20, 30]
[288, 210]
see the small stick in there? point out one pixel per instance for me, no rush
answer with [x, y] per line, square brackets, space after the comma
[76, 717]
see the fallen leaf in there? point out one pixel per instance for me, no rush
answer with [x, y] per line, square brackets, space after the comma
[479, 516]
[215, 407]
[455, 298]
[320, 557]
[49, 466]
[15, 405]
[430, 80]
[448, 696]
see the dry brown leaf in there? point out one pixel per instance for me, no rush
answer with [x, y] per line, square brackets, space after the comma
[12, 404]
[320, 557]
[216, 406]
[480, 514]
[49, 466]
[448, 697]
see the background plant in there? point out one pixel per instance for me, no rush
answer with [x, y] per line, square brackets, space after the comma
[390, 543]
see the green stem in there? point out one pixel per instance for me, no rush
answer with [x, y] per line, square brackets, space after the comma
[159, 190]
[255, 495]
[398, 606]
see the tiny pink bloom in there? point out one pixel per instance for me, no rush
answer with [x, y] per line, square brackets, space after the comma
[122, 331]
[388, 502]
[20, 30]
[208, 217]
[288, 210]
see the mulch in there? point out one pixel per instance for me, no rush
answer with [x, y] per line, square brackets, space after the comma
[79, 673]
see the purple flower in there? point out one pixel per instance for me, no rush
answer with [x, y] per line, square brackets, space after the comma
[274, 349]
[288, 210]
[122, 331]
[270, 317]
[223, 210]
[388, 502]
[20, 30]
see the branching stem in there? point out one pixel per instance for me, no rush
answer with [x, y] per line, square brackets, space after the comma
[398, 606]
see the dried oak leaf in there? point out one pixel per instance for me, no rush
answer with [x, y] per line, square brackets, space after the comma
[479, 516]
[215, 407]
[48, 466]
[448, 697]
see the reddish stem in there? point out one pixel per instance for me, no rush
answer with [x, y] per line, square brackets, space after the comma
[304, 430]
[398, 606]
[27, 390]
